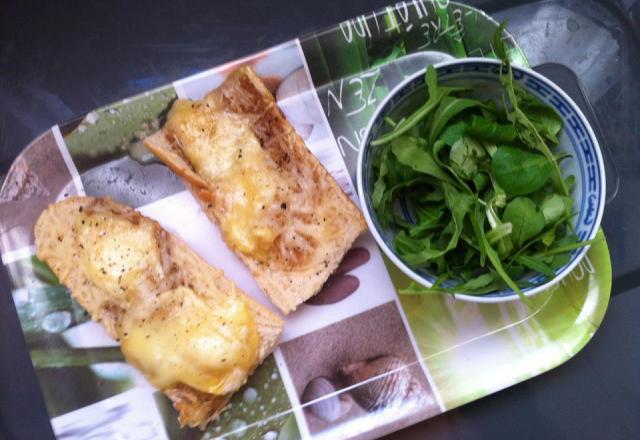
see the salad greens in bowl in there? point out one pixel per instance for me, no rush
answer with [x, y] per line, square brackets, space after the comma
[481, 179]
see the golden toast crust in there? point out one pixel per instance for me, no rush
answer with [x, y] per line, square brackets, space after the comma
[57, 246]
[287, 285]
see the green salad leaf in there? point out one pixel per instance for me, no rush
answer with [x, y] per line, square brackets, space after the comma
[473, 189]
[491, 131]
[408, 152]
[525, 218]
[519, 171]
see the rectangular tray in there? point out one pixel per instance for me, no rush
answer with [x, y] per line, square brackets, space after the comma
[436, 353]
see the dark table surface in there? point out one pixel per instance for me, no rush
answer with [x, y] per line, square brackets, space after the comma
[60, 59]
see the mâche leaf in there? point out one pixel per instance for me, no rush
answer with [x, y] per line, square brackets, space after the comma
[518, 171]
[472, 189]
[554, 206]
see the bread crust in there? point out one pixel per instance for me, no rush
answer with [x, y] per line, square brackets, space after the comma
[286, 284]
[57, 245]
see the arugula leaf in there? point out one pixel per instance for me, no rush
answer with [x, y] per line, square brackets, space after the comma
[505, 244]
[465, 155]
[408, 153]
[428, 218]
[479, 285]
[449, 107]
[459, 204]
[491, 131]
[497, 264]
[536, 264]
[528, 133]
[476, 283]
[436, 195]
[491, 148]
[567, 247]
[480, 181]
[498, 43]
[417, 251]
[435, 95]
[453, 133]
[384, 211]
[526, 219]
[380, 185]
[477, 223]
[545, 119]
[519, 172]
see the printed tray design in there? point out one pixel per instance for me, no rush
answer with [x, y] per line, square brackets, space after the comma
[356, 361]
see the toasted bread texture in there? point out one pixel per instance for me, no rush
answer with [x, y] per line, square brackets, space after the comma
[58, 244]
[308, 221]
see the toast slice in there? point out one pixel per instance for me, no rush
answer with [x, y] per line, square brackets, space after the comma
[278, 208]
[58, 232]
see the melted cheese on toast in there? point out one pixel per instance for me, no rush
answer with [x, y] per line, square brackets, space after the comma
[277, 207]
[190, 331]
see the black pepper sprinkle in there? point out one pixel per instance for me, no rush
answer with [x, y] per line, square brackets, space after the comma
[283, 205]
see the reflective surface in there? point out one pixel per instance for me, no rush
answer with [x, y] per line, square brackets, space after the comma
[57, 61]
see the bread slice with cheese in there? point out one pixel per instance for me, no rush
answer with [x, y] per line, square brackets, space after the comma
[192, 332]
[277, 207]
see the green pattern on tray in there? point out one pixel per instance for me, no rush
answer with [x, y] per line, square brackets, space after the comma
[515, 342]
[470, 349]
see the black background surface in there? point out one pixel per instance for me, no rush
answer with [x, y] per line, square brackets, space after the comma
[61, 59]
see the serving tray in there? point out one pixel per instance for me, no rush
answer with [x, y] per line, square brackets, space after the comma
[385, 361]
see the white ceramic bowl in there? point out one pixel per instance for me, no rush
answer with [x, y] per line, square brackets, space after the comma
[577, 138]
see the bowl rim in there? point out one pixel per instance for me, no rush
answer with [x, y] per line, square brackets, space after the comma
[404, 268]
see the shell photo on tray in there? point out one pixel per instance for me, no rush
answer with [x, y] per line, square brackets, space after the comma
[361, 371]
